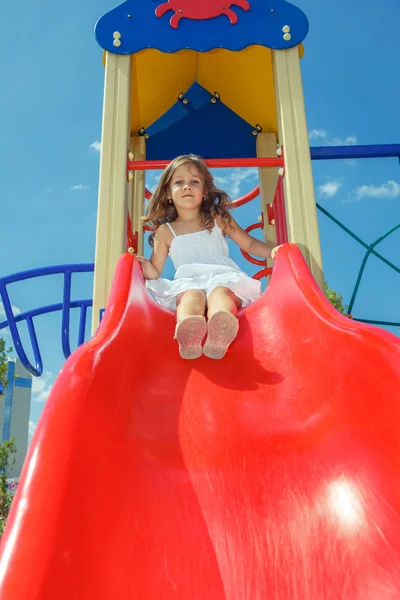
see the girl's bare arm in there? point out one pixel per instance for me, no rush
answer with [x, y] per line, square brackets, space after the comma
[153, 268]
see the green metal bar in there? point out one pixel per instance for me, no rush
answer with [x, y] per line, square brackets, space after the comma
[358, 281]
[359, 240]
[370, 250]
[353, 235]
[377, 322]
[364, 262]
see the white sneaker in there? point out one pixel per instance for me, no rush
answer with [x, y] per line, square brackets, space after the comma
[189, 334]
[222, 330]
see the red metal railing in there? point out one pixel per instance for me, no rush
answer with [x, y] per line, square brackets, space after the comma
[212, 163]
[235, 203]
[266, 271]
[276, 213]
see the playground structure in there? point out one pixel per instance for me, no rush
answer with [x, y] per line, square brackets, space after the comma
[272, 475]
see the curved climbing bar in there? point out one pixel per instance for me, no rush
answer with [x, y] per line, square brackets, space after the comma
[254, 261]
[234, 204]
[246, 198]
[36, 368]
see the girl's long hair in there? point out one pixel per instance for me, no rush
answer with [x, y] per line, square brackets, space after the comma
[215, 201]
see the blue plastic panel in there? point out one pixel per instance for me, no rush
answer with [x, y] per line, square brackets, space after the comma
[138, 27]
[215, 130]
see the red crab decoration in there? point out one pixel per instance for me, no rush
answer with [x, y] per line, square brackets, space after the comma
[200, 9]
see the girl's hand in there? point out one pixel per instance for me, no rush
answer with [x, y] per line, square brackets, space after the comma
[148, 269]
[275, 250]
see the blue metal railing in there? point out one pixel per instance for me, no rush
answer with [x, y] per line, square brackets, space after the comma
[352, 152]
[28, 316]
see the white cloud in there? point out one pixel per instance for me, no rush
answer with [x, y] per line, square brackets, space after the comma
[315, 134]
[41, 387]
[322, 134]
[15, 310]
[329, 189]
[391, 189]
[80, 187]
[351, 162]
[350, 140]
[232, 181]
[32, 427]
[96, 146]
[152, 179]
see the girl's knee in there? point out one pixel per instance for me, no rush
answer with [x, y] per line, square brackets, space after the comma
[191, 296]
[225, 297]
[221, 291]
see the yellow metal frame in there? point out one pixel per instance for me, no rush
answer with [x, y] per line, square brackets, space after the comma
[136, 194]
[268, 179]
[113, 187]
[301, 209]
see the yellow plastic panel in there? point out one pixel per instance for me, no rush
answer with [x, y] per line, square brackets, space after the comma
[157, 81]
[245, 82]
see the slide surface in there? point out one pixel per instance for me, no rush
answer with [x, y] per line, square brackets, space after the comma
[272, 474]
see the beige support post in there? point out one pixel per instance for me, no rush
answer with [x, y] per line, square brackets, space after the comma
[268, 178]
[112, 199]
[137, 189]
[301, 207]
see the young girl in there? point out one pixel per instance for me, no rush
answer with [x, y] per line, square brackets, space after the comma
[191, 219]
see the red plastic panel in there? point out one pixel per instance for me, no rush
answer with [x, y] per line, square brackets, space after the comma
[270, 474]
[206, 9]
[280, 213]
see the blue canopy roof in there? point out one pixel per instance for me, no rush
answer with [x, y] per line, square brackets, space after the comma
[134, 25]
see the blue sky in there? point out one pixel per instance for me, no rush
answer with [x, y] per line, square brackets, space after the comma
[50, 121]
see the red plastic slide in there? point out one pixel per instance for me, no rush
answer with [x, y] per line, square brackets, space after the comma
[272, 474]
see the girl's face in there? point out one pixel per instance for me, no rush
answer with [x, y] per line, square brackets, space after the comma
[187, 187]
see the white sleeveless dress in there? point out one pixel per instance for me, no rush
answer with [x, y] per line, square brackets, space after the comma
[202, 262]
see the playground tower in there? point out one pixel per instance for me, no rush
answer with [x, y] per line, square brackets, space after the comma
[220, 81]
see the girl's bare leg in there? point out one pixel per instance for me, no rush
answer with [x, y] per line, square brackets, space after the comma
[222, 298]
[222, 322]
[192, 302]
[191, 323]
